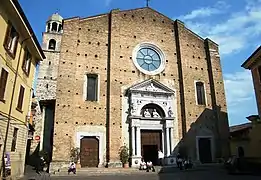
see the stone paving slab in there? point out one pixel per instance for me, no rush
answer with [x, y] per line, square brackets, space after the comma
[32, 175]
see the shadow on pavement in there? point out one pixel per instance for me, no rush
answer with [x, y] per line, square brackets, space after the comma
[213, 172]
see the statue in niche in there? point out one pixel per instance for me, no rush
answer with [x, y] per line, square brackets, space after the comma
[170, 113]
[133, 108]
[155, 114]
[147, 113]
[138, 102]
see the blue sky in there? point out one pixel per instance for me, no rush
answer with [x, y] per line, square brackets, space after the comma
[234, 25]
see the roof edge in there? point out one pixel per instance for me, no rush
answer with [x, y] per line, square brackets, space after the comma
[247, 63]
[24, 18]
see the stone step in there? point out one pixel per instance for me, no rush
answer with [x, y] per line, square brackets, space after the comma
[97, 171]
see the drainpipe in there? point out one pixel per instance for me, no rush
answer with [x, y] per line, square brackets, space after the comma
[10, 108]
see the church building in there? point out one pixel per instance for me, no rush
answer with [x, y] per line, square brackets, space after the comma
[133, 78]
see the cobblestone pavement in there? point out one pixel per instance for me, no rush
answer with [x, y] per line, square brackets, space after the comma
[184, 175]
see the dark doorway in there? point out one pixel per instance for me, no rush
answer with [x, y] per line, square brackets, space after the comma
[150, 153]
[151, 142]
[89, 152]
[28, 147]
[241, 152]
[204, 147]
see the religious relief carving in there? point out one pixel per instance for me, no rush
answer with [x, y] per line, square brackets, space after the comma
[146, 113]
[170, 113]
[155, 114]
[151, 87]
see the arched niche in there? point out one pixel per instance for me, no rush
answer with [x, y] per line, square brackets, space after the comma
[152, 107]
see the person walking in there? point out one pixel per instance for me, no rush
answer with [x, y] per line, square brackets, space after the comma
[160, 157]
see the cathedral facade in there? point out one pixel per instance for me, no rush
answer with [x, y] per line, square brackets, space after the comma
[132, 78]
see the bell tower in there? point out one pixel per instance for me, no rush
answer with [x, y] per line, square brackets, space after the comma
[47, 75]
[46, 84]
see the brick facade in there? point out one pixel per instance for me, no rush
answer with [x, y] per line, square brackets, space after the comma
[104, 45]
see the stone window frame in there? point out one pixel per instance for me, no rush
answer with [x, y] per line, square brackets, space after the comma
[156, 48]
[85, 86]
[196, 97]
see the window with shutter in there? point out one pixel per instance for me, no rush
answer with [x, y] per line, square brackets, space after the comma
[3, 81]
[20, 99]
[11, 40]
[200, 93]
[27, 61]
[92, 87]
[15, 133]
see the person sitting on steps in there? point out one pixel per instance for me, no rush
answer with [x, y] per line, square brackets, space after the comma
[143, 165]
[72, 168]
[150, 166]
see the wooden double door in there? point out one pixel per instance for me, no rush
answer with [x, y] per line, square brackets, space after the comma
[151, 142]
[89, 152]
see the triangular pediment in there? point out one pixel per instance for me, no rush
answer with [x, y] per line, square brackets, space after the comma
[151, 86]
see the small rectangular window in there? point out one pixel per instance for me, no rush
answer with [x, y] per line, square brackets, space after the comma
[259, 73]
[27, 61]
[11, 40]
[15, 133]
[200, 93]
[3, 81]
[92, 87]
[20, 98]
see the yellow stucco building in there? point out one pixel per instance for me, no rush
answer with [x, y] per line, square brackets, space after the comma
[246, 138]
[19, 54]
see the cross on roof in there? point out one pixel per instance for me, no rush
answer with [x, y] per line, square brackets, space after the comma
[147, 2]
[57, 11]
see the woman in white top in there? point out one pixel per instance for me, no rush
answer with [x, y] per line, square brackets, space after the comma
[161, 157]
[143, 165]
[150, 166]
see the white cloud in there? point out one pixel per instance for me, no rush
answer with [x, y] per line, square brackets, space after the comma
[218, 8]
[232, 34]
[239, 87]
[240, 96]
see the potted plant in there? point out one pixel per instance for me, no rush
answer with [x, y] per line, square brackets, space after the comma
[75, 157]
[124, 156]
